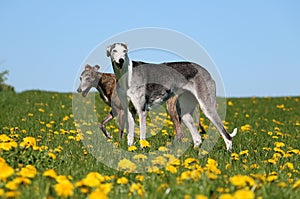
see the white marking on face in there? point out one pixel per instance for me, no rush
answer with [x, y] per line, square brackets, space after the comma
[117, 52]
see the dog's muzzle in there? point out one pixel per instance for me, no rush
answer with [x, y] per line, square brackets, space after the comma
[121, 61]
[79, 90]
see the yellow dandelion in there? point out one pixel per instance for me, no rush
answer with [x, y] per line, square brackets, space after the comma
[282, 184]
[230, 103]
[246, 127]
[52, 155]
[14, 184]
[122, 180]
[50, 173]
[226, 196]
[199, 196]
[132, 148]
[64, 188]
[272, 178]
[144, 143]
[6, 146]
[126, 165]
[297, 184]
[235, 156]
[272, 161]
[137, 188]
[93, 179]
[171, 169]
[6, 171]
[244, 194]
[140, 157]
[140, 178]
[245, 152]
[254, 166]
[279, 144]
[241, 180]
[28, 142]
[28, 172]
[12, 194]
[162, 187]
[163, 149]
[98, 194]
[159, 160]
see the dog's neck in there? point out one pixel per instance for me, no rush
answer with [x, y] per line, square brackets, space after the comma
[124, 69]
[100, 90]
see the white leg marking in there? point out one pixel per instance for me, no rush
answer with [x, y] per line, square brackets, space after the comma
[189, 122]
[130, 135]
[142, 117]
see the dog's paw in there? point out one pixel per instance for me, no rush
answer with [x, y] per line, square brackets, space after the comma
[130, 141]
[228, 145]
[197, 143]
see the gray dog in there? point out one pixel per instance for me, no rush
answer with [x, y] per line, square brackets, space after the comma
[146, 85]
[106, 83]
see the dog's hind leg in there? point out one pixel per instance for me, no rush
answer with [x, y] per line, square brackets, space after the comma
[188, 120]
[206, 96]
[102, 127]
[172, 110]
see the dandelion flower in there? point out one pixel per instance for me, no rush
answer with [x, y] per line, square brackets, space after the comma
[126, 165]
[244, 194]
[64, 188]
[122, 180]
[6, 171]
[199, 196]
[137, 188]
[97, 194]
[28, 142]
[297, 184]
[140, 157]
[28, 172]
[226, 196]
[132, 148]
[144, 143]
[241, 180]
[50, 173]
[171, 169]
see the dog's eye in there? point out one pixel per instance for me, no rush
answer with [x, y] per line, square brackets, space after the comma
[80, 78]
[124, 51]
[114, 50]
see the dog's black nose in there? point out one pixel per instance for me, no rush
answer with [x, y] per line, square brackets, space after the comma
[79, 90]
[121, 61]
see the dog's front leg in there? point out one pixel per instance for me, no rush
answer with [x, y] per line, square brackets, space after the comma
[130, 135]
[142, 117]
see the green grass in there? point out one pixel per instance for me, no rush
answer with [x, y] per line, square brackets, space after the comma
[48, 117]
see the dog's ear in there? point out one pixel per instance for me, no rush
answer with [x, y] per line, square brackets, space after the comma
[108, 51]
[96, 67]
[125, 45]
[87, 67]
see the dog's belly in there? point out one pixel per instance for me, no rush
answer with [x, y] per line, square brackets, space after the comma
[156, 95]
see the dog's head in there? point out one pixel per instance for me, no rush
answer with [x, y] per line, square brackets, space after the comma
[89, 78]
[117, 53]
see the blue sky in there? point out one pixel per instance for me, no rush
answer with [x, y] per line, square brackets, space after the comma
[254, 44]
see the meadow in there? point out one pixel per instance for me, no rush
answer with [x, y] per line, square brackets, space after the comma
[42, 154]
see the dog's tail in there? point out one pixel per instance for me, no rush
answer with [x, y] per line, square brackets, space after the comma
[233, 133]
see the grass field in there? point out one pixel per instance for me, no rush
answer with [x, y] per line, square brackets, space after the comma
[42, 155]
